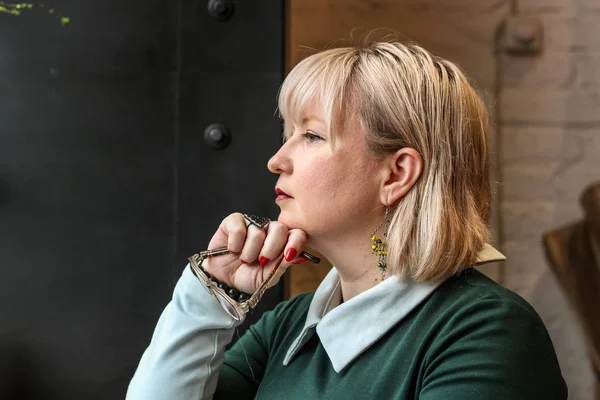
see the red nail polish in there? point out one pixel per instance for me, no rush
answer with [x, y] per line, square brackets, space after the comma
[263, 261]
[243, 262]
[300, 261]
[291, 254]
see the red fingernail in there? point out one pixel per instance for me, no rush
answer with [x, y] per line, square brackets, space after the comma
[243, 262]
[263, 261]
[300, 261]
[291, 254]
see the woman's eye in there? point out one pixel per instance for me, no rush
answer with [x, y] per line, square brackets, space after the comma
[311, 137]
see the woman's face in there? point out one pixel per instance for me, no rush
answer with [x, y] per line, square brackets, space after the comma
[332, 190]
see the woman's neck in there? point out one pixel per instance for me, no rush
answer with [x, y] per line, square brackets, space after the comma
[355, 263]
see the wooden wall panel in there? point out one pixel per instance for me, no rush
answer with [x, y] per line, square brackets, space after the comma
[459, 30]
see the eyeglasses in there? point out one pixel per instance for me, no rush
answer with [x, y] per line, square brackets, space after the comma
[236, 309]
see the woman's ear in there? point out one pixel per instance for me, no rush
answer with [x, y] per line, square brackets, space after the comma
[402, 170]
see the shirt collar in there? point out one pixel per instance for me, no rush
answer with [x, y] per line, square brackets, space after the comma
[376, 311]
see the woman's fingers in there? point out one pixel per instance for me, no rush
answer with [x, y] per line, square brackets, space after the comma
[296, 242]
[253, 243]
[292, 246]
[300, 260]
[277, 236]
[234, 228]
[255, 238]
[275, 246]
[292, 254]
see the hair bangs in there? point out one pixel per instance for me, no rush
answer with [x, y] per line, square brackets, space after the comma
[322, 78]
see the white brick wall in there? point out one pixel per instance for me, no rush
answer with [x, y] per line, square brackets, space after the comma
[550, 150]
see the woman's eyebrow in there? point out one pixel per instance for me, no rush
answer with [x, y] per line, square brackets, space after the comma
[308, 118]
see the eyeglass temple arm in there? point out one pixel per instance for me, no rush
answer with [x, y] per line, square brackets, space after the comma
[223, 250]
[255, 298]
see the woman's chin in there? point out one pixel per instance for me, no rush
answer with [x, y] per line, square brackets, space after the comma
[287, 220]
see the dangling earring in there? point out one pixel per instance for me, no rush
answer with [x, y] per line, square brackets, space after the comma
[379, 246]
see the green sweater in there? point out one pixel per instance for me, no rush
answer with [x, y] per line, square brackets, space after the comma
[466, 338]
[471, 339]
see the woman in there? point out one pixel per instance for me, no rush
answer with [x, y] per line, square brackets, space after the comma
[385, 171]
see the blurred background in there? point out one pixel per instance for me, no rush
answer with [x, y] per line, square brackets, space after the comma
[128, 130]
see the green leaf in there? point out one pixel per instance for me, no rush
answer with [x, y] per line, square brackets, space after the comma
[16, 9]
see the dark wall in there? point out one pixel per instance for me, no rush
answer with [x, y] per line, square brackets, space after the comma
[106, 183]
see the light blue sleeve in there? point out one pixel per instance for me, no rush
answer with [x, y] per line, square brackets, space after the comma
[187, 347]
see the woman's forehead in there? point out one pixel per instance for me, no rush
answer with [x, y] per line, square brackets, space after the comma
[312, 113]
[305, 109]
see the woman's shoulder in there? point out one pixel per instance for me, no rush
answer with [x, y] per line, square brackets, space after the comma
[471, 302]
[471, 305]
[470, 287]
[473, 321]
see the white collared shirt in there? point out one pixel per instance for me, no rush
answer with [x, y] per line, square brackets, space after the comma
[375, 311]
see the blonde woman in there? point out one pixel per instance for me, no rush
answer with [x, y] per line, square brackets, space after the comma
[385, 171]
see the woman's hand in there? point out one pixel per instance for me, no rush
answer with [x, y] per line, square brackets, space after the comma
[254, 252]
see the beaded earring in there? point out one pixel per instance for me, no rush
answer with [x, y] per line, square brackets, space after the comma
[379, 246]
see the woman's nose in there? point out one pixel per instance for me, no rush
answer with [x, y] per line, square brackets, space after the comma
[279, 162]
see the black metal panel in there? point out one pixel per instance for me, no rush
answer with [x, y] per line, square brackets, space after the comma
[231, 72]
[103, 172]
[86, 217]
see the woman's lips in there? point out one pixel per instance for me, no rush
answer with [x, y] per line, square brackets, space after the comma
[281, 195]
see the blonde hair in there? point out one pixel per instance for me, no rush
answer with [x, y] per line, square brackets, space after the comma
[405, 97]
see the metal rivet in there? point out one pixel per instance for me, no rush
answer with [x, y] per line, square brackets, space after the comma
[221, 10]
[217, 136]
